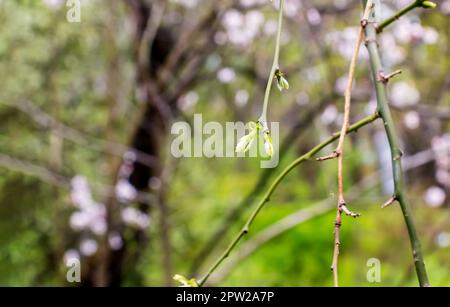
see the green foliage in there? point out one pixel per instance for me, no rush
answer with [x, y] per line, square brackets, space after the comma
[74, 71]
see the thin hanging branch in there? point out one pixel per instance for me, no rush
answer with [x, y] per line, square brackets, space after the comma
[246, 141]
[339, 151]
[275, 63]
[342, 207]
[277, 181]
[380, 82]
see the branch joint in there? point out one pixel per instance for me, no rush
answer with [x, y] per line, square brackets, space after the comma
[333, 155]
[343, 208]
[389, 202]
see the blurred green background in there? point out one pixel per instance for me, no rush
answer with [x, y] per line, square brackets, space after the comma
[86, 170]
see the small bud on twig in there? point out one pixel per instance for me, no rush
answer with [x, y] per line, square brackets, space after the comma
[428, 5]
[282, 83]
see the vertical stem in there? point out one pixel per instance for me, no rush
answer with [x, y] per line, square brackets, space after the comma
[337, 243]
[276, 56]
[341, 207]
[385, 113]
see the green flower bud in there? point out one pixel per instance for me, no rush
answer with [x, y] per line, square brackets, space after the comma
[247, 140]
[268, 146]
[428, 4]
[282, 83]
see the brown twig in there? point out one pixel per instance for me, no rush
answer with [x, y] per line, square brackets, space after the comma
[339, 151]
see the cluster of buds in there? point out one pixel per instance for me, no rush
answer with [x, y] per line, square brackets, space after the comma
[255, 128]
[247, 140]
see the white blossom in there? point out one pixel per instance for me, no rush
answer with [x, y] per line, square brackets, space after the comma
[54, 4]
[411, 120]
[135, 218]
[403, 94]
[434, 196]
[242, 28]
[125, 191]
[241, 98]
[313, 16]
[187, 3]
[70, 255]
[329, 115]
[443, 239]
[115, 241]
[88, 247]
[226, 75]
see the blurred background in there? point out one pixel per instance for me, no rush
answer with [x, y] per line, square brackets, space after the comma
[85, 166]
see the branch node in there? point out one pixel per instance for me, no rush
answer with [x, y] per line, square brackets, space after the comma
[398, 156]
[343, 208]
[393, 74]
[333, 155]
[381, 77]
[364, 22]
[367, 41]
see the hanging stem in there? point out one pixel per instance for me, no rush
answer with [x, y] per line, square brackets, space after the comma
[263, 117]
[339, 152]
[399, 194]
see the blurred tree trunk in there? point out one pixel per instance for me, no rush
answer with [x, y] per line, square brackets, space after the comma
[107, 269]
[168, 64]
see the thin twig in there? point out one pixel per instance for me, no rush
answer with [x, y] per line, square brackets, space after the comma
[396, 16]
[275, 64]
[339, 151]
[272, 188]
[391, 75]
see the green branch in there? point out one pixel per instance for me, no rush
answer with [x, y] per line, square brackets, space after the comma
[274, 185]
[412, 6]
[385, 113]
